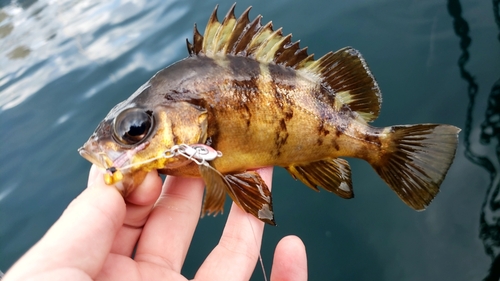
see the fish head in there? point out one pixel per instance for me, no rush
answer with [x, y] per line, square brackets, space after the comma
[137, 137]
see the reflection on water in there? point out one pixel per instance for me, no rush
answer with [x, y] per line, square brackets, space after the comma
[490, 130]
[73, 35]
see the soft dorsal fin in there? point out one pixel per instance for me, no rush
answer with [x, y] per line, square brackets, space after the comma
[347, 73]
[344, 72]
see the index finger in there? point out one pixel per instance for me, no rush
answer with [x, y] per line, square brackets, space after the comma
[139, 205]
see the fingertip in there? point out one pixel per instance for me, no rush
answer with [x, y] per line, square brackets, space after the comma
[266, 174]
[148, 191]
[94, 174]
[98, 193]
[292, 244]
[290, 260]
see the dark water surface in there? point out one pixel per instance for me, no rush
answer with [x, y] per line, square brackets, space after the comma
[64, 64]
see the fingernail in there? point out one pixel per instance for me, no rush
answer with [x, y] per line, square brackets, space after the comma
[94, 175]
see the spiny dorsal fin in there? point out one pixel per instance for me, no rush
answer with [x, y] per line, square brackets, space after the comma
[344, 72]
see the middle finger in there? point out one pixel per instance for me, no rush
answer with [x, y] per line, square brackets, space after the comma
[168, 232]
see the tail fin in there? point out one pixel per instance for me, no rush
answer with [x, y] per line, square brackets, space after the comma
[415, 161]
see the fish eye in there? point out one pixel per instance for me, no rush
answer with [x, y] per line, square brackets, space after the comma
[132, 125]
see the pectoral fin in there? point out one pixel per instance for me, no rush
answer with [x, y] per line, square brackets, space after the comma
[248, 190]
[334, 175]
[215, 190]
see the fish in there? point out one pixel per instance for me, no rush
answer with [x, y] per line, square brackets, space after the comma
[248, 97]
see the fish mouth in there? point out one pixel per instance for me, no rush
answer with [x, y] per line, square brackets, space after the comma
[98, 159]
[113, 174]
[119, 166]
[121, 169]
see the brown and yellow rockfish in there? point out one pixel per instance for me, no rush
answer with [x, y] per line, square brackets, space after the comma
[254, 96]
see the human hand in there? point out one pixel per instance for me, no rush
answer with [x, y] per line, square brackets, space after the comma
[95, 236]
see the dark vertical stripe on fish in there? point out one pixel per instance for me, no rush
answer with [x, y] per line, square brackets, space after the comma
[283, 80]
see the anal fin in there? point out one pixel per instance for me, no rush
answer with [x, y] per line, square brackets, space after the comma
[248, 190]
[333, 175]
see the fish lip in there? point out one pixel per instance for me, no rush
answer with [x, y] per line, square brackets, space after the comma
[97, 159]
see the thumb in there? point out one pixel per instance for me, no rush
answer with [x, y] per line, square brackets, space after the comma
[82, 237]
